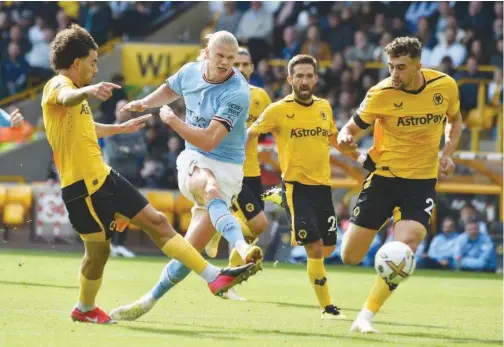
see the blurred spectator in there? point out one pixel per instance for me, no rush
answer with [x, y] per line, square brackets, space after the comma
[476, 19]
[292, 46]
[446, 66]
[441, 249]
[378, 29]
[152, 173]
[417, 10]
[494, 92]
[444, 11]
[36, 32]
[63, 21]
[399, 27]
[38, 57]
[496, 59]
[337, 35]
[331, 76]
[16, 36]
[381, 56]
[96, 18]
[315, 47]
[477, 52]
[229, 19]
[497, 29]
[170, 162]
[474, 250]
[451, 23]
[469, 91]
[256, 23]
[451, 48]
[255, 31]
[469, 214]
[125, 150]
[362, 49]
[424, 33]
[15, 69]
[108, 107]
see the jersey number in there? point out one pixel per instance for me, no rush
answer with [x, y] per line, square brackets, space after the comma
[332, 221]
[430, 206]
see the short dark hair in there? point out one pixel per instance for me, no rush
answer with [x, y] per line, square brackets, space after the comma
[244, 51]
[70, 44]
[301, 59]
[410, 46]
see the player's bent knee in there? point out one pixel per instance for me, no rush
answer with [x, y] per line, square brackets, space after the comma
[212, 191]
[315, 250]
[350, 258]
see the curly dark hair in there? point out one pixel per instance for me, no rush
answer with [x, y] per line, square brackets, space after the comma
[70, 44]
[410, 46]
[301, 59]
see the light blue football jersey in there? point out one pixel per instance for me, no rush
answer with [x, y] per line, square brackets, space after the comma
[4, 119]
[227, 102]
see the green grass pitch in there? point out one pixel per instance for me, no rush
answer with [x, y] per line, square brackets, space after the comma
[37, 292]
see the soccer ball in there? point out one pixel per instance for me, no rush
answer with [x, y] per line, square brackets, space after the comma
[395, 262]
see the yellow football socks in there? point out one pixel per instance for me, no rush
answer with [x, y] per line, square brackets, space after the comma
[318, 278]
[177, 247]
[89, 290]
[380, 292]
[247, 233]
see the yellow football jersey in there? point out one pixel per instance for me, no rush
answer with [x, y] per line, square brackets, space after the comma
[409, 125]
[72, 136]
[302, 135]
[259, 100]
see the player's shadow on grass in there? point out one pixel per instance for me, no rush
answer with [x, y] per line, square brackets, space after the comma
[258, 332]
[185, 333]
[345, 309]
[32, 284]
[447, 338]
[291, 304]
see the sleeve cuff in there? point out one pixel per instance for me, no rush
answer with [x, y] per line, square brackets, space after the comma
[360, 123]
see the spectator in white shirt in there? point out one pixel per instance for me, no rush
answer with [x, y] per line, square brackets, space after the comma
[456, 51]
[256, 23]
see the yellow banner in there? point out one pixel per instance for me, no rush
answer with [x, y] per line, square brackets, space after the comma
[151, 64]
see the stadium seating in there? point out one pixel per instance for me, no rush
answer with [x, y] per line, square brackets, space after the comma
[162, 201]
[183, 211]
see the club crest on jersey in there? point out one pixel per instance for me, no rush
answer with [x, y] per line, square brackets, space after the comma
[290, 116]
[323, 115]
[438, 98]
[257, 103]
[399, 105]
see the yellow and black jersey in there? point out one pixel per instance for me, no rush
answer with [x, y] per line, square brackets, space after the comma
[72, 136]
[302, 135]
[409, 124]
[259, 100]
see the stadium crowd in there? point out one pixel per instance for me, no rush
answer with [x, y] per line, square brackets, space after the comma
[345, 37]
[28, 27]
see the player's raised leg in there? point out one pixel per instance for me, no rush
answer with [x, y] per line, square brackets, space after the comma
[91, 275]
[198, 234]
[173, 245]
[206, 190]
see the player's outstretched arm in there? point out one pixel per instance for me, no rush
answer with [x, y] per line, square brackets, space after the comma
[346, 137]
[355, 154]
[70, 97]
[135, 124]
[164, 95]
[453, 130]
[205, 139]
